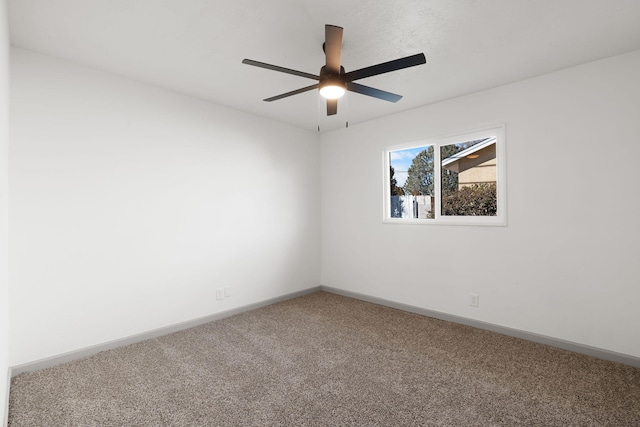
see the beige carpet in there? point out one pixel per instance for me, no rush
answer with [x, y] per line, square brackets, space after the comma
[327, 360]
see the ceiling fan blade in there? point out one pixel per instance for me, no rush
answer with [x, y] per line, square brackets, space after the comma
[370, 91]
[293, 92]
[332, 107]
[386, 67]
[281, 69]
[333, 47]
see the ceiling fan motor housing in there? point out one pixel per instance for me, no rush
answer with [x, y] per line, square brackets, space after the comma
[327, 78]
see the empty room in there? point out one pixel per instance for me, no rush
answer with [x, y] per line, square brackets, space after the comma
[313, 213]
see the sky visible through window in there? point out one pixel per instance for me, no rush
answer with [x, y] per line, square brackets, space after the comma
[401, 160]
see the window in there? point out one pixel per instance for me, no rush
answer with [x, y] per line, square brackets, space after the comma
[458, 179]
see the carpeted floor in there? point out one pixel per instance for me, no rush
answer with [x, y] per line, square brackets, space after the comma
[328, 360]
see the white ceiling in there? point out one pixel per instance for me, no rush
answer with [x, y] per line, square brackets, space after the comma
[196, 47]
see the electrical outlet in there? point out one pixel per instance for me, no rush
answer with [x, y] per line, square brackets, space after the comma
[474, 300]
[219, 294]
[227, 291]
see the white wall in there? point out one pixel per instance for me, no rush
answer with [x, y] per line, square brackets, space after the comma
[130, 205]
[566, 266]
[4, 146]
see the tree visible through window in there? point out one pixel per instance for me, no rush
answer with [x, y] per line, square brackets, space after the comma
[396, 193]
[420, 174]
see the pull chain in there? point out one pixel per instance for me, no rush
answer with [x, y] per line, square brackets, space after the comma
[318, 113]
[346, 108]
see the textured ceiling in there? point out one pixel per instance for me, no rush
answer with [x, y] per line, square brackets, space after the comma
[196, 47]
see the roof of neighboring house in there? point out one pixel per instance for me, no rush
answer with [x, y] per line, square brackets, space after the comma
[449, 161]
[464, 153]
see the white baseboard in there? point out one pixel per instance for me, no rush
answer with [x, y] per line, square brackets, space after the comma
[89, 351]
[516, 333]
[529, 336]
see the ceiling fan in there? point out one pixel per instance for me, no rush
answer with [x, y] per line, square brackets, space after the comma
[333, 81]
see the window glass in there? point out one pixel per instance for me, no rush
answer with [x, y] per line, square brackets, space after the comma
[452, 180]
[411, 183]
[468, 185]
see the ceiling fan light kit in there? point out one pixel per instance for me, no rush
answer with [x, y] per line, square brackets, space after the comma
[333, 91]
[333, 81]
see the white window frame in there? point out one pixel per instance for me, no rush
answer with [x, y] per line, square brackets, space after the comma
[501, 186]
